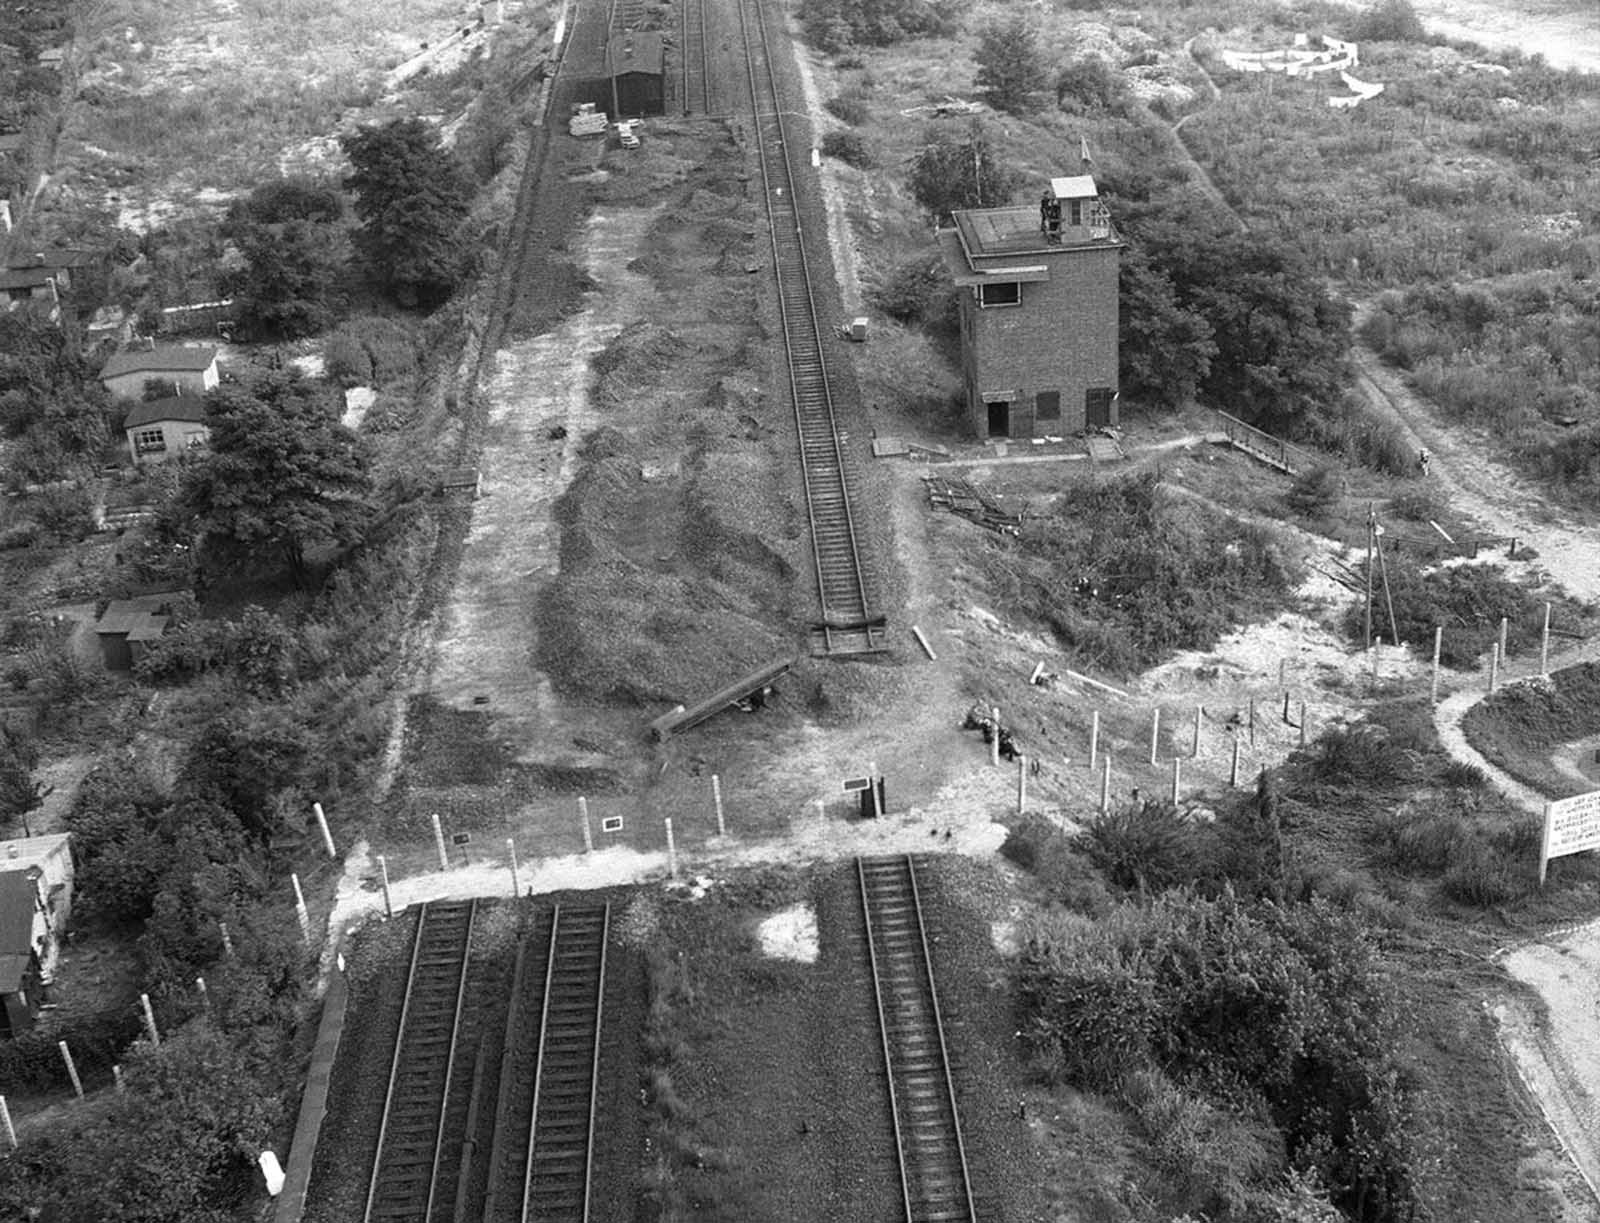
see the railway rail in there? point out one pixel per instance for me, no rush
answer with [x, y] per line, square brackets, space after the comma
[406, 1180]
[935, 1183]
[847, 624]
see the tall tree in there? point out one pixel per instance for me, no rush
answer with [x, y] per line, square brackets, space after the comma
[1166, 348]
[51, 409]
[956, 170]
[283, 475]
[288, 232]
[1011, 69]
[412, 198]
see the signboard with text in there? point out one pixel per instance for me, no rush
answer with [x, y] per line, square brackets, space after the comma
[1571, 825]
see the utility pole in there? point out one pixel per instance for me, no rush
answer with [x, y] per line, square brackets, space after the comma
[1366, 611]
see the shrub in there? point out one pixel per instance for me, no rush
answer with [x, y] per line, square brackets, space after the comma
[848, 108]
[848, 147]
[1478, 876]
[1143, 846]
[1089, 84]
[1467, 600]
[917, 292]
[1362, 754]
[371, 350]
[1389, 21]
[1315, 491]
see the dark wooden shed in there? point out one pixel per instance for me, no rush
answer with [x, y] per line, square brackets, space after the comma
[636, 66]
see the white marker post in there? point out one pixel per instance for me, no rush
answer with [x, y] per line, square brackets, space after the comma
[1177, 777]
[1504, 621]
[1155, 731]
[149, 1020]
[994, 740]
[716, 801]
[1377, 649]
[872, 779]
[205, 994]
[1105, 783]
[1094, 739]
[672, 850]
[5, 1124]
[583, 818]
[300, 910]
[383, 873]
[1544, 643]
[322, 823]
[1494, 665]
[1022, 784]
[438, 841]
[1438, 645]
[511, 848]
[1194, 745]
[72, 1068]
[1233, 772]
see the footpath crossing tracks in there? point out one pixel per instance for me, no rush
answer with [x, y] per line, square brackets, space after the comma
[847, 624]
[405, 1171]
[935, 1183]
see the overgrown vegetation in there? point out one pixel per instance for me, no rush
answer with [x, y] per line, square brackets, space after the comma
[1125, 572]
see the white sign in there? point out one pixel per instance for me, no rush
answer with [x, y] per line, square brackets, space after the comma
[1571, 825]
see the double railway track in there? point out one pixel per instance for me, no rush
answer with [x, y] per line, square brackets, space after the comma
[934, 1180]
[406, 1177]
[847, 624]
[529, 1095]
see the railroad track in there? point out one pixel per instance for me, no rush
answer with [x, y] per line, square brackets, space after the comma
[406, 1177]
[696, 57]
[934, 1179]
[540, 1165]
[847, 624]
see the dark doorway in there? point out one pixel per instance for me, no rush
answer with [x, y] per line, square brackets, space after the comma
[999, 419]
[1097, 406]
[1047, 407]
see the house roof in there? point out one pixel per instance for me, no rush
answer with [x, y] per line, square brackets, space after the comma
[174, 407]
[156, 360]
[635, 52]
[24, 853]
[18, 901]
[141, 619]
[1077, 187]
[26, 278]
[55, 257]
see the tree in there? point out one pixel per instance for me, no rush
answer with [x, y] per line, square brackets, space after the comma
[288, 232]
[282, 475]
[19, 792]
[1165, 348]
[179, 1142]
[1011, 69]
[955, 171]
[52, 410]
[1389, 21]
[412, 198]
[1088, 84]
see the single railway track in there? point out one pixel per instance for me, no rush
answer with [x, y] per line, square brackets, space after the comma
[847, 624]
[541, 1164]
[405, 1183]
[934, 1180]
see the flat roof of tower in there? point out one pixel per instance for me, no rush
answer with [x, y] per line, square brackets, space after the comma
[987, 232]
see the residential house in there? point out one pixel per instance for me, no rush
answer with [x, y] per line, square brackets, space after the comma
[1038, 302]
[128, 627]
[35, 904]
[160, 429]
[187, 369]
[32, 289]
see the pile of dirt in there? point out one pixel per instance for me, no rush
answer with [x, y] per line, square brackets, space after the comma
[630, 365]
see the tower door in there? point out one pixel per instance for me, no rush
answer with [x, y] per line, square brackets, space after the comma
[1097, 406]
[999, 418]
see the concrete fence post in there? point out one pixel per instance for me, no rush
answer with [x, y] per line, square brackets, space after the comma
[1022, 784]
[1544, 643]
[1504, 622]
[227, 939]
[1302, 723]
[716, 801]
[1494, 665]
[672, 850]
[1438, 645]
[116, 1079]
[1105, 783]
[149, 1019]
[72, 1068]
[994, 740]
[1177, 777]
[1233, 771]
[1155, 731]
[5, 1124]
[1199, 716]
[205, 994]
[322, 824]
[300, 911]
[1094, 739]
[383, 874]
[583, 818]
[511, 848]
[438, 841]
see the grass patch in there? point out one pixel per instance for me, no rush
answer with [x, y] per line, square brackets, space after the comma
[1519, 726]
